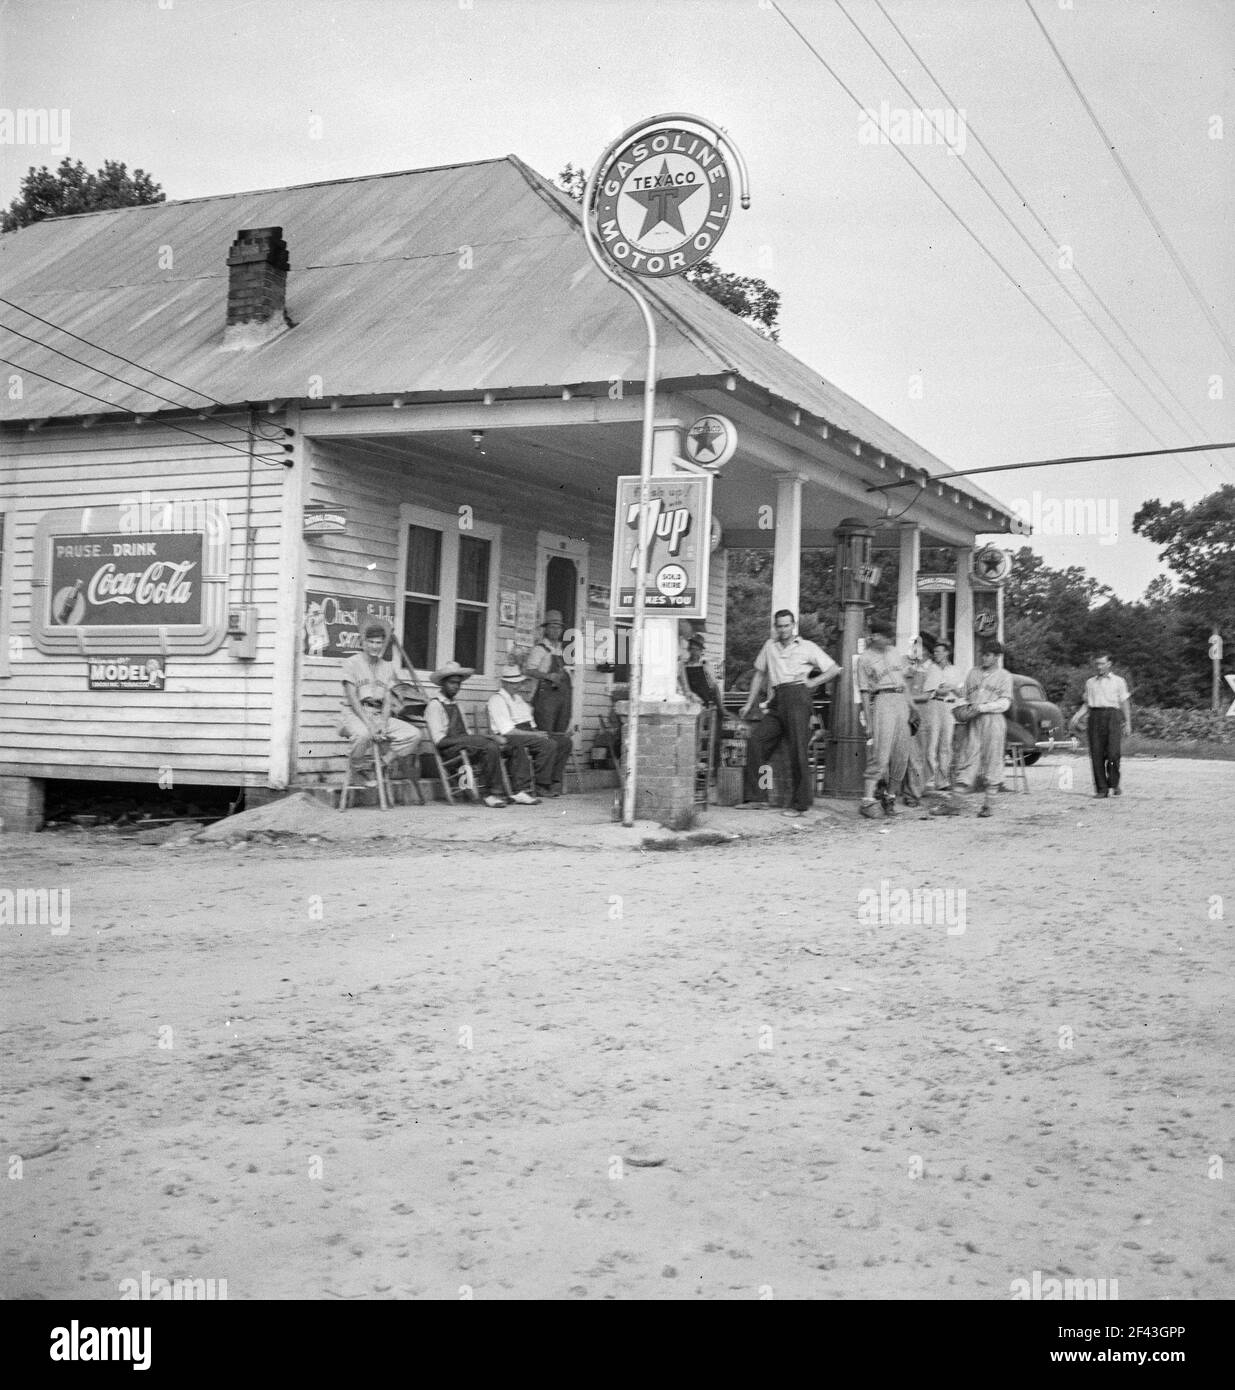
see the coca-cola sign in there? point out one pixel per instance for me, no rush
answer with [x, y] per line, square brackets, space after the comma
[105, 583]
[146, 580]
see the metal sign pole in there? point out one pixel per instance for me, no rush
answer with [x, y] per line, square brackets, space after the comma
[645, 478]
[649, 416]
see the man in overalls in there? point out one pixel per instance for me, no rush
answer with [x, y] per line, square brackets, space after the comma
[553, 702]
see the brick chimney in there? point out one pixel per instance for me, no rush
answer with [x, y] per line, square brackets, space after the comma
[257, 267]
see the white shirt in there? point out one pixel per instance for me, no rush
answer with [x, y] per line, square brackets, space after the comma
[791, 664]
[1106, 692]
[507, 710]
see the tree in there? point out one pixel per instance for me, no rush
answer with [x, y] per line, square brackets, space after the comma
[1198, 544]
[746, 296]
[72, 188]
[751, 299]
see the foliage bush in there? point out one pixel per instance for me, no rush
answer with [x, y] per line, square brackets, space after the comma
[1183, 725]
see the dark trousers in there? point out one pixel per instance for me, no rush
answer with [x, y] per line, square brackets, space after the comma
[787, 721]
[552, 708]
[1105, 743]
[484, 755]
[540, 756]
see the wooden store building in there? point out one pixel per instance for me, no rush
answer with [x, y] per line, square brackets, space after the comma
[233, 427]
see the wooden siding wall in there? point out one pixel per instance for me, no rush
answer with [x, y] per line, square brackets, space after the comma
[372, 487]
[212, 721]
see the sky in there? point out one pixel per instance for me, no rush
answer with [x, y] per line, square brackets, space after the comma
[883, 290]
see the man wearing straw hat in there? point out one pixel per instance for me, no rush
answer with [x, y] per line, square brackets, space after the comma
[368, 699]
[449, 732]
[513, 724]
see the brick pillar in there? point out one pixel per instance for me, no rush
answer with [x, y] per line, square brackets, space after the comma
[21, 803]
[665, 775]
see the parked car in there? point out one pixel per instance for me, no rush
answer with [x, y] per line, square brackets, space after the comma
[1033, 722]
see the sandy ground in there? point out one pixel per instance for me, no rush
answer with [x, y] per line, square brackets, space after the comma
[408, 1069]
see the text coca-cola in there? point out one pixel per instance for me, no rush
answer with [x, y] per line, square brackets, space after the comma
[164, 581]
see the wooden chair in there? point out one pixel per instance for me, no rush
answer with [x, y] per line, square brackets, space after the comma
[706, 733]
[386, 785]
[572, 762]
[455, 773]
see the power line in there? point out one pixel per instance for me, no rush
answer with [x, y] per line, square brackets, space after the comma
[143, 390]
[128, 361]
[1029, 245]
[1048, 463]
[965, 226]
[1160, 231]
[1050, 236]
[167, 424]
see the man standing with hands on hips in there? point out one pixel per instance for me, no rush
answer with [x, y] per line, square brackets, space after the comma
[1108, 706]
[784, 667]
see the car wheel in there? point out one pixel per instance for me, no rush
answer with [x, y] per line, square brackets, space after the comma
[1032, 757]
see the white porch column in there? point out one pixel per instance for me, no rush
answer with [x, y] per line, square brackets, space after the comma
[907, 615]
[787, 544]
[962, 639]
[660, 635]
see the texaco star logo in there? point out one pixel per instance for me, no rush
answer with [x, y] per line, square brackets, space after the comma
[991, 566]
[664, 202]
[711, 441]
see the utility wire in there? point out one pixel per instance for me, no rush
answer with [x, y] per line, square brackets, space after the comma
[945, 478]
[1008, 219]
[1046, 231]
[143, 390]
[1046, 318]
[128, 361]
[1067, 289]
[167, 424]
[1159, 230]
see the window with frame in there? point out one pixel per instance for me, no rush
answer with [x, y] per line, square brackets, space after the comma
[449, 579]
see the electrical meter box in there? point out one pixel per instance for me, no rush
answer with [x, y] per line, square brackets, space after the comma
[242, 632]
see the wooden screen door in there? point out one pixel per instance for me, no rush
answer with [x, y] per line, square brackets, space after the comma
[561, 583]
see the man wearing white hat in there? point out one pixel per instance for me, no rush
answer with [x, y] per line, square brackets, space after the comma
[553, 701]
[449, 732]
[368, 699]
[514, 726]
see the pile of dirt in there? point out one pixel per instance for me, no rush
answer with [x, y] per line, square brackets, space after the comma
[298, 814]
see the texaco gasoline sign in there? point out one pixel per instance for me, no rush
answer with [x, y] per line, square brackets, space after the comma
[664, 202]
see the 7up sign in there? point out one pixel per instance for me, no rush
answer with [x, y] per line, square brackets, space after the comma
[679, 516]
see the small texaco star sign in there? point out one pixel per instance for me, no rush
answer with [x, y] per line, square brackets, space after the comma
[711, 441]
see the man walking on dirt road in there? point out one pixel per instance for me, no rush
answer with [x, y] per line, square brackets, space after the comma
[1107, 705]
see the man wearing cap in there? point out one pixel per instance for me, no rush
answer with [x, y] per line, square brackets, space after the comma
[449, 732]
[882, 678]
[784, 666]
[937, 721]
[514, 726]
[988, 693]
[368, 685]
[552, 703]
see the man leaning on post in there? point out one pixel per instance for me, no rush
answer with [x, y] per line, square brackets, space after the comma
[784, 667]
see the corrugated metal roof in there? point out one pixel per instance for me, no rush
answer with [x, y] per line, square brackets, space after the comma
[462, 278]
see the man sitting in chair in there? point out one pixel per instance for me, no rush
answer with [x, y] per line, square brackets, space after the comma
[448, 730]
[368, 699]
[514, 726]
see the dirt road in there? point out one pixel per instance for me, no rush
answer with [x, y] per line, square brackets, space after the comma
[728, 1073]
